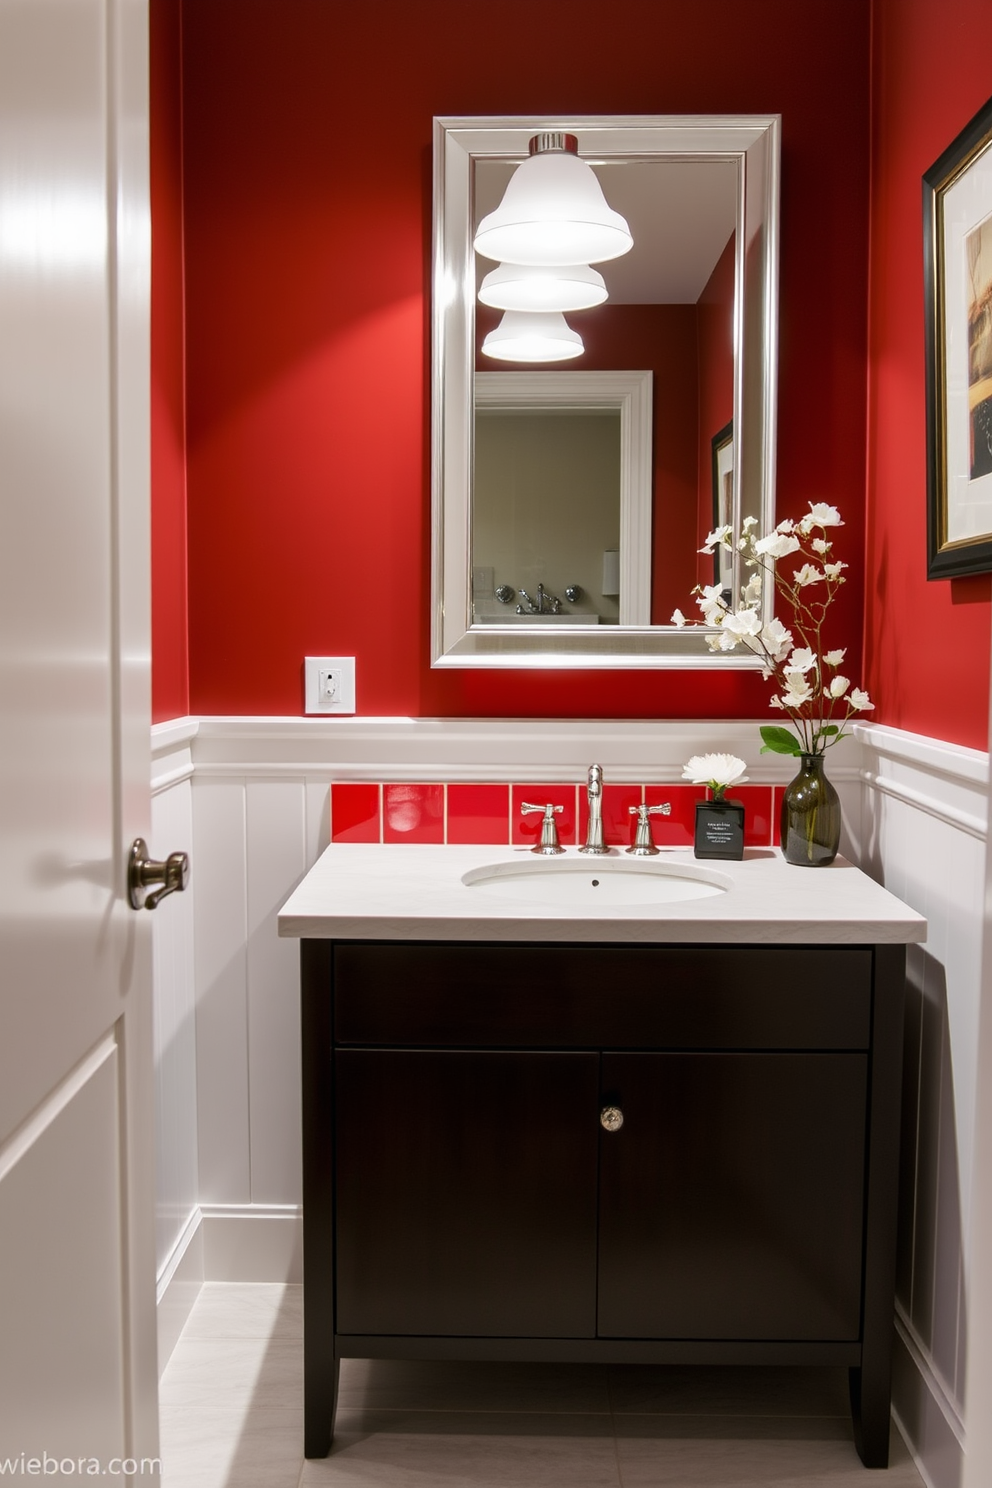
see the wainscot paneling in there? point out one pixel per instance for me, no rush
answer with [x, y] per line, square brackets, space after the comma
[923, 828]
[914, 817]
[178, 1260]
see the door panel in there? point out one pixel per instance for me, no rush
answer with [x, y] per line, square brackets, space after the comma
[465, 1193]
[731, 1197]
[76, 1198]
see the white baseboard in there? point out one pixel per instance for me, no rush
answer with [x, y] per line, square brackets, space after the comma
[178, 1287]
[925, 1414]
[252, 1242]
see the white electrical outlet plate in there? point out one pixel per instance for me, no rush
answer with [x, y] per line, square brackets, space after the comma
[329, 684]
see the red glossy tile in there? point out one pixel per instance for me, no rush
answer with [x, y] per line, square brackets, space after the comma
[354, 812]
[679, 829]
[479, 813]
[777, 815]
[617, 821]
[757, 813]
[413, 813]
[526, 830]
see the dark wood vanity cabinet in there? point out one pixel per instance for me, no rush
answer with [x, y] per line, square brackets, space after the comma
[463, 1198]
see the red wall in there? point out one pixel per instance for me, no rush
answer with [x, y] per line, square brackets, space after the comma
[929, 646]
[170, 669]
[307, 179]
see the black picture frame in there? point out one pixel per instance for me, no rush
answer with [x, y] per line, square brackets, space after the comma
[957, 252]
[722, 446]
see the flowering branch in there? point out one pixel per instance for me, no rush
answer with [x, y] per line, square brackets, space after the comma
[810, 689]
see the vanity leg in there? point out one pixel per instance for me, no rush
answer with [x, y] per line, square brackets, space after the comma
[320, 1368]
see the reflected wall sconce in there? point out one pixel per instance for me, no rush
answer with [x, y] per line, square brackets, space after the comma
[553, 211]
[526, 287]
[611, 572]
[528, 336]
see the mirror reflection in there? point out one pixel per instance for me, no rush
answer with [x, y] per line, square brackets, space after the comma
[572, 495]
[547, 483]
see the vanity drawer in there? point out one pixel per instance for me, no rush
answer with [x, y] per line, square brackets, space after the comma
[447, 995]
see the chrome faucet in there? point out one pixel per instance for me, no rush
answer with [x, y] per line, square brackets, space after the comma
[594, 836]
[549, 846]
[643, 844]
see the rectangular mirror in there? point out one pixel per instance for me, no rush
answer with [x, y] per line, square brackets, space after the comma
[570, 499]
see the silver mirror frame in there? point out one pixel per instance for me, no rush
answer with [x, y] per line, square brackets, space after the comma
[751, 141]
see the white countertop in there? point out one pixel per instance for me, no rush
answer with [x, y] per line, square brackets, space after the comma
[411, 892]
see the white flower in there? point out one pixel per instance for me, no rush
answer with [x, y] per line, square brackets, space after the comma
[823, 515]
[798, 690]
[777, 639]
[715, 770]
[775, 702]
[726, 641]
[838, 686]
[743, 623]
[678, 618]
[861, 701]
[832, 571]
[786, 525]
[834, 658]
[719, 537]
[807, 575]
[750, 522]
[777, 545]
[819, 546]
[753, 587]
[801, 660]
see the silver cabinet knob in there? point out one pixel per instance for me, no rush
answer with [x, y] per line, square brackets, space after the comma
[143, 873]
[611, 1118]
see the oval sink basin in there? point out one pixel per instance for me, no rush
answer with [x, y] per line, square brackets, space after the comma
[582, 883]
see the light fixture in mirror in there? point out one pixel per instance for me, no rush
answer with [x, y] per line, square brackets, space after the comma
[553, 211]
[551, 287]
[694, 303]
[533, 336]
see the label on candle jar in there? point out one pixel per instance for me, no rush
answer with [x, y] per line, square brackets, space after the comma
[719, 829]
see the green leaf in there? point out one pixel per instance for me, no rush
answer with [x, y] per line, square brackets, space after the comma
[779, 740]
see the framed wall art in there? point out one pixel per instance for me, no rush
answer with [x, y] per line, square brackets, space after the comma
[722, 447]
[957, 237]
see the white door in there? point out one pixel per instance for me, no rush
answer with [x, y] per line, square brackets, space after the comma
[77, 1325]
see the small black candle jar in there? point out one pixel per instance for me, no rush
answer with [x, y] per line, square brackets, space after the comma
[719, 828]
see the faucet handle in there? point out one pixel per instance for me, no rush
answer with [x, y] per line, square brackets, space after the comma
[643, 844]
[549, 844]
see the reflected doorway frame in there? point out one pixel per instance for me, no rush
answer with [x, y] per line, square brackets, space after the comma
[632, 393]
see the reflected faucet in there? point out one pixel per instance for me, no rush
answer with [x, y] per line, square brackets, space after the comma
[547, 603]
[594, 790]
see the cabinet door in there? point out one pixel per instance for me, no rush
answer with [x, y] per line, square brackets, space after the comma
[732, 1196]
[465, 1192]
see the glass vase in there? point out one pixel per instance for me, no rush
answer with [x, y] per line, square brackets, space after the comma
[810, 816]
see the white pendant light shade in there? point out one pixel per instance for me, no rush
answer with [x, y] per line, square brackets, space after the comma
[553, 212]
[524, 287]
[525, 337]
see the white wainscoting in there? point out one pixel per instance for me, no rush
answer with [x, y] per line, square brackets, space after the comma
[914, 812]
[923, 825]
[178, 1257]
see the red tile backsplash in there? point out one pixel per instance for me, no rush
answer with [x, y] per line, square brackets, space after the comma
[413, 813]
[354, 812]
[479, 813]
[757, 801]
[490, 812]
[526, 830]
[679, 829]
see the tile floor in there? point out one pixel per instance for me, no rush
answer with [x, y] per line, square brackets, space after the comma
[231, 1418]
